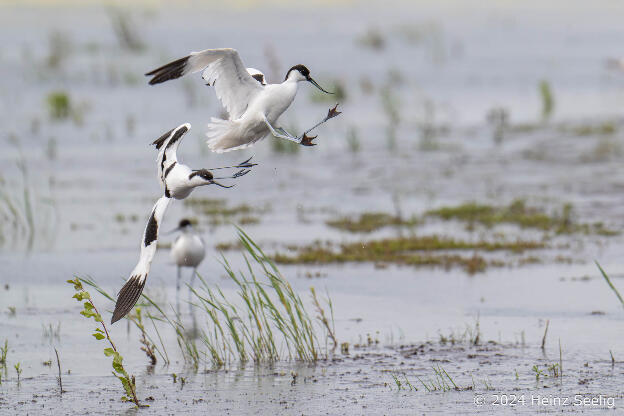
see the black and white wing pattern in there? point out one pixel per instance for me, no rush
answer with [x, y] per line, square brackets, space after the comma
[167, 144]
[224, 69]
[131, 291]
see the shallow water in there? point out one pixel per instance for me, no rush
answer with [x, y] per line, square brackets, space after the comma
[92, 183]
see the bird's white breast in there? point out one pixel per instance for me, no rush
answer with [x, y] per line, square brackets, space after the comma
[188, 250]
[274, 100]
[178, 183]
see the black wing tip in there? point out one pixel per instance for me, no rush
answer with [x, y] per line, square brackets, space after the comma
[128, 297]
[172, 70]
[161, 140]
[180, 130]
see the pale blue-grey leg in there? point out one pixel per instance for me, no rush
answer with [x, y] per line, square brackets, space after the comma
[281, 133]
[178, 281]
[190, 287]
[333, 112]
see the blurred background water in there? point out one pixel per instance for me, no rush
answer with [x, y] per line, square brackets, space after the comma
[443, 102]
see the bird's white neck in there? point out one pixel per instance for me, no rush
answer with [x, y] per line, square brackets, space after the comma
[292, 79]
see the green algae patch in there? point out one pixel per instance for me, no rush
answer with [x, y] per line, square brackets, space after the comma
[522, 215]
[219, 212]
[410, 251]
[370, 221]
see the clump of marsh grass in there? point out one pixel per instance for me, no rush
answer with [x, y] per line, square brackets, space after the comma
[264, 322]
[90, 311]
[59, 105]
[4, 350]
[22, 210]
[538, 373]
[18, 370]
[471, 335]
[402, 385]
[441, 381]
[271, 311]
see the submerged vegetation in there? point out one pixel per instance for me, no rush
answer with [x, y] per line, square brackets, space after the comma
[516, 213]
[370, 221]
[410, 251]
[439, 250]
[520, 214]
[217, 211]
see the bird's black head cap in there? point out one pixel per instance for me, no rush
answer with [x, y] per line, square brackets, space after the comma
[301, 68]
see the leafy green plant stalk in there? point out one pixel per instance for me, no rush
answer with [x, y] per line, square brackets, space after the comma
[136, 319]
[90, 311]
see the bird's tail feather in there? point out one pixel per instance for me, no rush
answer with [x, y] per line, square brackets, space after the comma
[128, 296]
[226, 135]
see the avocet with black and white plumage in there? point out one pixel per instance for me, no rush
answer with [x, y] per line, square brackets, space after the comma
[178, 181]
[253, 108]
[188, 250]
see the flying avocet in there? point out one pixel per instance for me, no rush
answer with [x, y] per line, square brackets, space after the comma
[178, 181]
[253, 108]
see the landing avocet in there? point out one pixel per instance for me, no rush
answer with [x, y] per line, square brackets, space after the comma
[253, 108]
[179, 181]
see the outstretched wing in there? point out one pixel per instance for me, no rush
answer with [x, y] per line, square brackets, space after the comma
[167, 144]
[131, 291]
[223, 68]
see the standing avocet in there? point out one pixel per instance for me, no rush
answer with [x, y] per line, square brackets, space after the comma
[253, 108]
[188, 250]
[179, 181]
